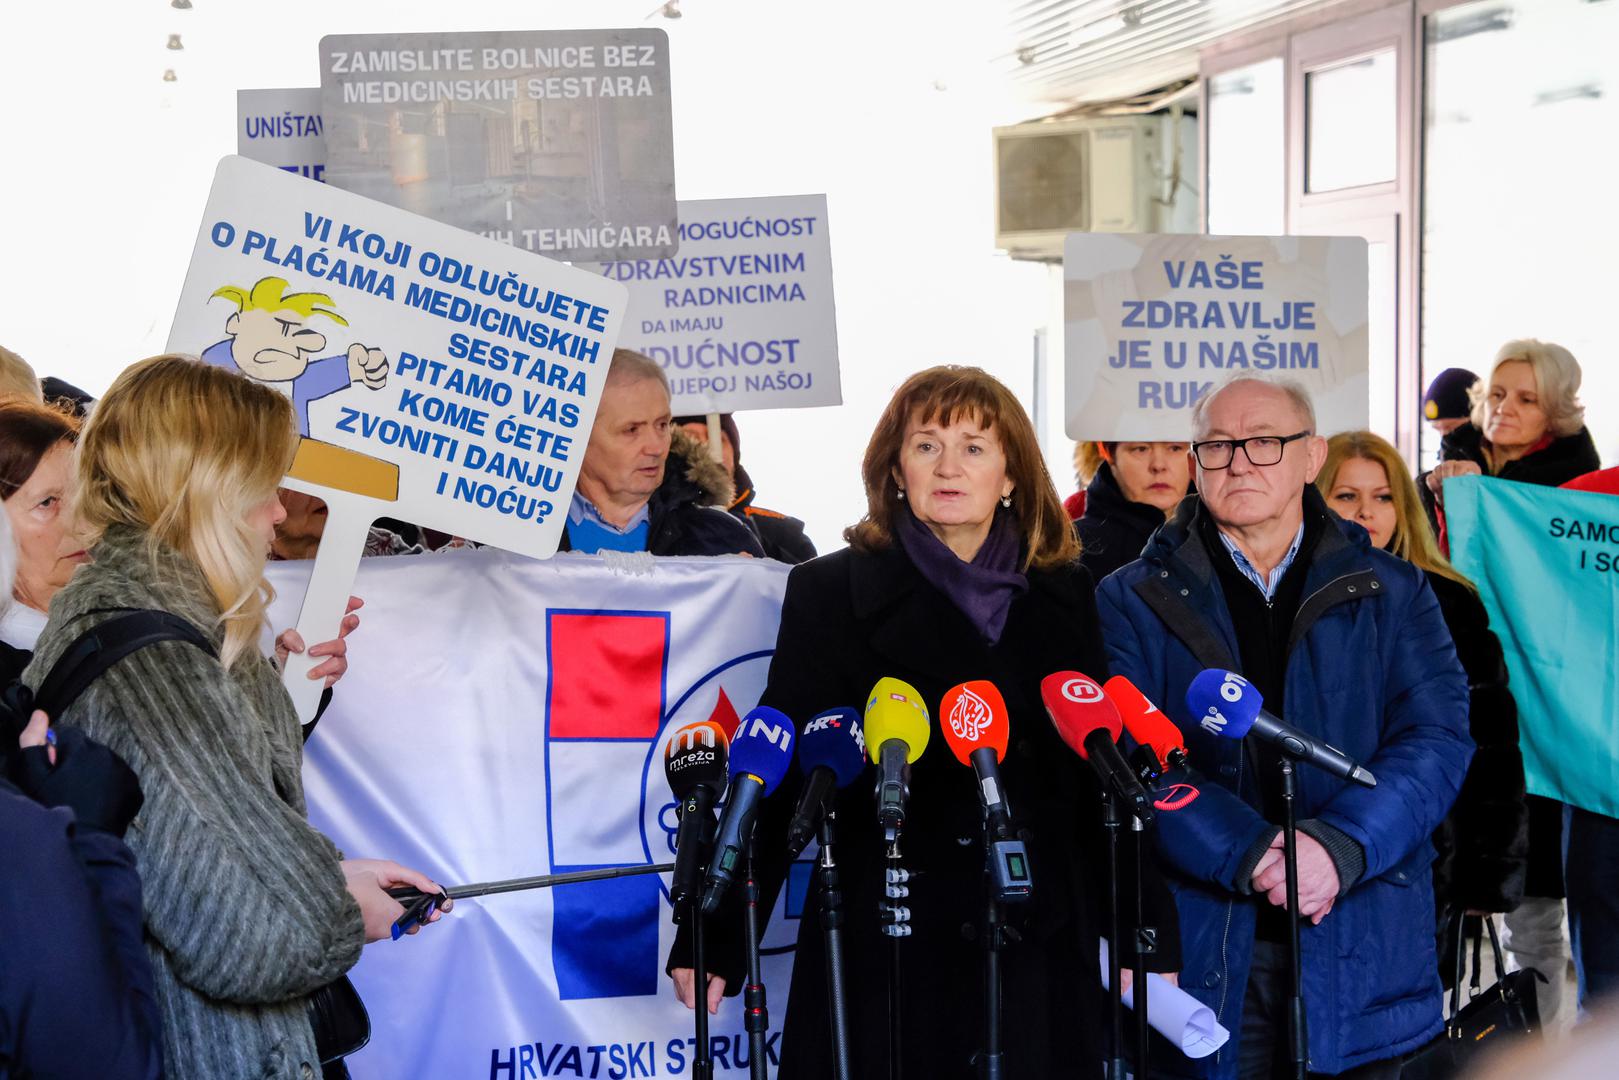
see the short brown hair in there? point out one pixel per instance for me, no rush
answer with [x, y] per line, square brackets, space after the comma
[28, 431]
[944, 393]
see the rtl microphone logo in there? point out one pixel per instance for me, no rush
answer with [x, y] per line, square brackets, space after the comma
[1083, 691]
[970, 715]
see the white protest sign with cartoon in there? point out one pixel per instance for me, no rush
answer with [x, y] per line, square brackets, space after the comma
[438, 377]
[742, 317]
[1151, 323]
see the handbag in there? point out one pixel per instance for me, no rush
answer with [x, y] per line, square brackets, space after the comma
[1492, 1018]
[342, 1026]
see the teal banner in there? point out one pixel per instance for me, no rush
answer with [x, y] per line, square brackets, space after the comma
[1546, 562]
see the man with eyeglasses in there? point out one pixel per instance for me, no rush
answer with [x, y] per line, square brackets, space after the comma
[1254, 574]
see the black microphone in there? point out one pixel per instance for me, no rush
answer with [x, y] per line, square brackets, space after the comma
[760, 754]
[832, 754]
[1227, 704]
[695, 765]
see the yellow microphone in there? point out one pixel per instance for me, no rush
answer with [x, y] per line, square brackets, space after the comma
[897, 729]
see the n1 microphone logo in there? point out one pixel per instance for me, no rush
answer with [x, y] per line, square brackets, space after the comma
[774, 734]
[970, 716]
[1082, 691]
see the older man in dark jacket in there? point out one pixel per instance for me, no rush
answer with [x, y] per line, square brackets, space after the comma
[643, 486]
[1348, 644]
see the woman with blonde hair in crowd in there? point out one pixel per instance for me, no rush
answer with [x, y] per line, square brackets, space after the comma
[1483, 844]
[248, 909]
[964, 567]
[1528, 425]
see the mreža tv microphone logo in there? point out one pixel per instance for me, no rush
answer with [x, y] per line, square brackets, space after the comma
[970, 716]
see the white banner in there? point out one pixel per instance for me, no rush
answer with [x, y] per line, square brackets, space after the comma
[1153, 322]
[742, 317]
[282, 128]
[504, 717]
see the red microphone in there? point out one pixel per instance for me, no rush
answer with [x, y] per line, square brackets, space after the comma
[1090, 724]
[1145, 723]
[1148, 726]
[974, 722]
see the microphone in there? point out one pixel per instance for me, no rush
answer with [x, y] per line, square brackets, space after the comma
[1160, 740]
[1090, 724]
[1229, 705]
[761, 751]
[831, 753]
[694, 761]
[975, 723]
[897, 732]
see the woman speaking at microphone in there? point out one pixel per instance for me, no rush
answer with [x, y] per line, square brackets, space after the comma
[965, 566]
[248, 910]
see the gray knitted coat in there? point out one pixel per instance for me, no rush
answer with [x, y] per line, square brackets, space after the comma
[246, 910]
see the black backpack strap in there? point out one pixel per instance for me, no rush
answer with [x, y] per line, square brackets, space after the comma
[99, 648]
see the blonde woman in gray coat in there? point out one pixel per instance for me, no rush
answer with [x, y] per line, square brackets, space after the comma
[248, 909]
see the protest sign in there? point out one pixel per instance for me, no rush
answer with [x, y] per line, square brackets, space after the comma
[526, 736]
[1152, 323]
[556, 141]
[282, 128]
[1546, 563]
[742, 317]
[470, 366]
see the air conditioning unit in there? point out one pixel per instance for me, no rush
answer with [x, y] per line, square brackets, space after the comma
[1102, 174]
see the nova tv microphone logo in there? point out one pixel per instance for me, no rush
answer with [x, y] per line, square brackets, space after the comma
[1082, 691]
[970, 716]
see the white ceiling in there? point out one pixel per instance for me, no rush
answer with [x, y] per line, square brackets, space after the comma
[1069, 51]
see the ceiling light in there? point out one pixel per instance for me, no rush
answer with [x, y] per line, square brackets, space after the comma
[169, 75]
[1086, 33]
[180, 5]
[174, 43]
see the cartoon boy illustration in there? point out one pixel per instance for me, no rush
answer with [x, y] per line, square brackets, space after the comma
[270, 340]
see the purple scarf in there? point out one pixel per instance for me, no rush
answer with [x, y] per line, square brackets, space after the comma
[983, 589]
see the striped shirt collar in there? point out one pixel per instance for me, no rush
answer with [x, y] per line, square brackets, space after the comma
[1266, 585]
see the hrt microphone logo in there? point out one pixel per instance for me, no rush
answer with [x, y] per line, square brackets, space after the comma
[1083, 691]
[970, 716]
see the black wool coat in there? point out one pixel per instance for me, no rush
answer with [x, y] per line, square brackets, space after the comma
[847, 620]
[1483, 844]
[1113, 529]
[1551, 466]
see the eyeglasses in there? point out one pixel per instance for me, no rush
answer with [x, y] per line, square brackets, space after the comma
[1217, 454]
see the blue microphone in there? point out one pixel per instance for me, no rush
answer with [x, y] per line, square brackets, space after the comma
[1227, 704]
[761, 751]
[831, 753]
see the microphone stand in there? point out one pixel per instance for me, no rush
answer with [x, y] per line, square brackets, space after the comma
[755, 1016]
[702, 1066]
[1146, 943]
[1111, 822]
[992, 1058]
[1297, 1031]
[832, 928]
[896, 924]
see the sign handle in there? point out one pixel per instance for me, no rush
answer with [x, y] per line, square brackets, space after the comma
[337, 561]
[715, 450]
